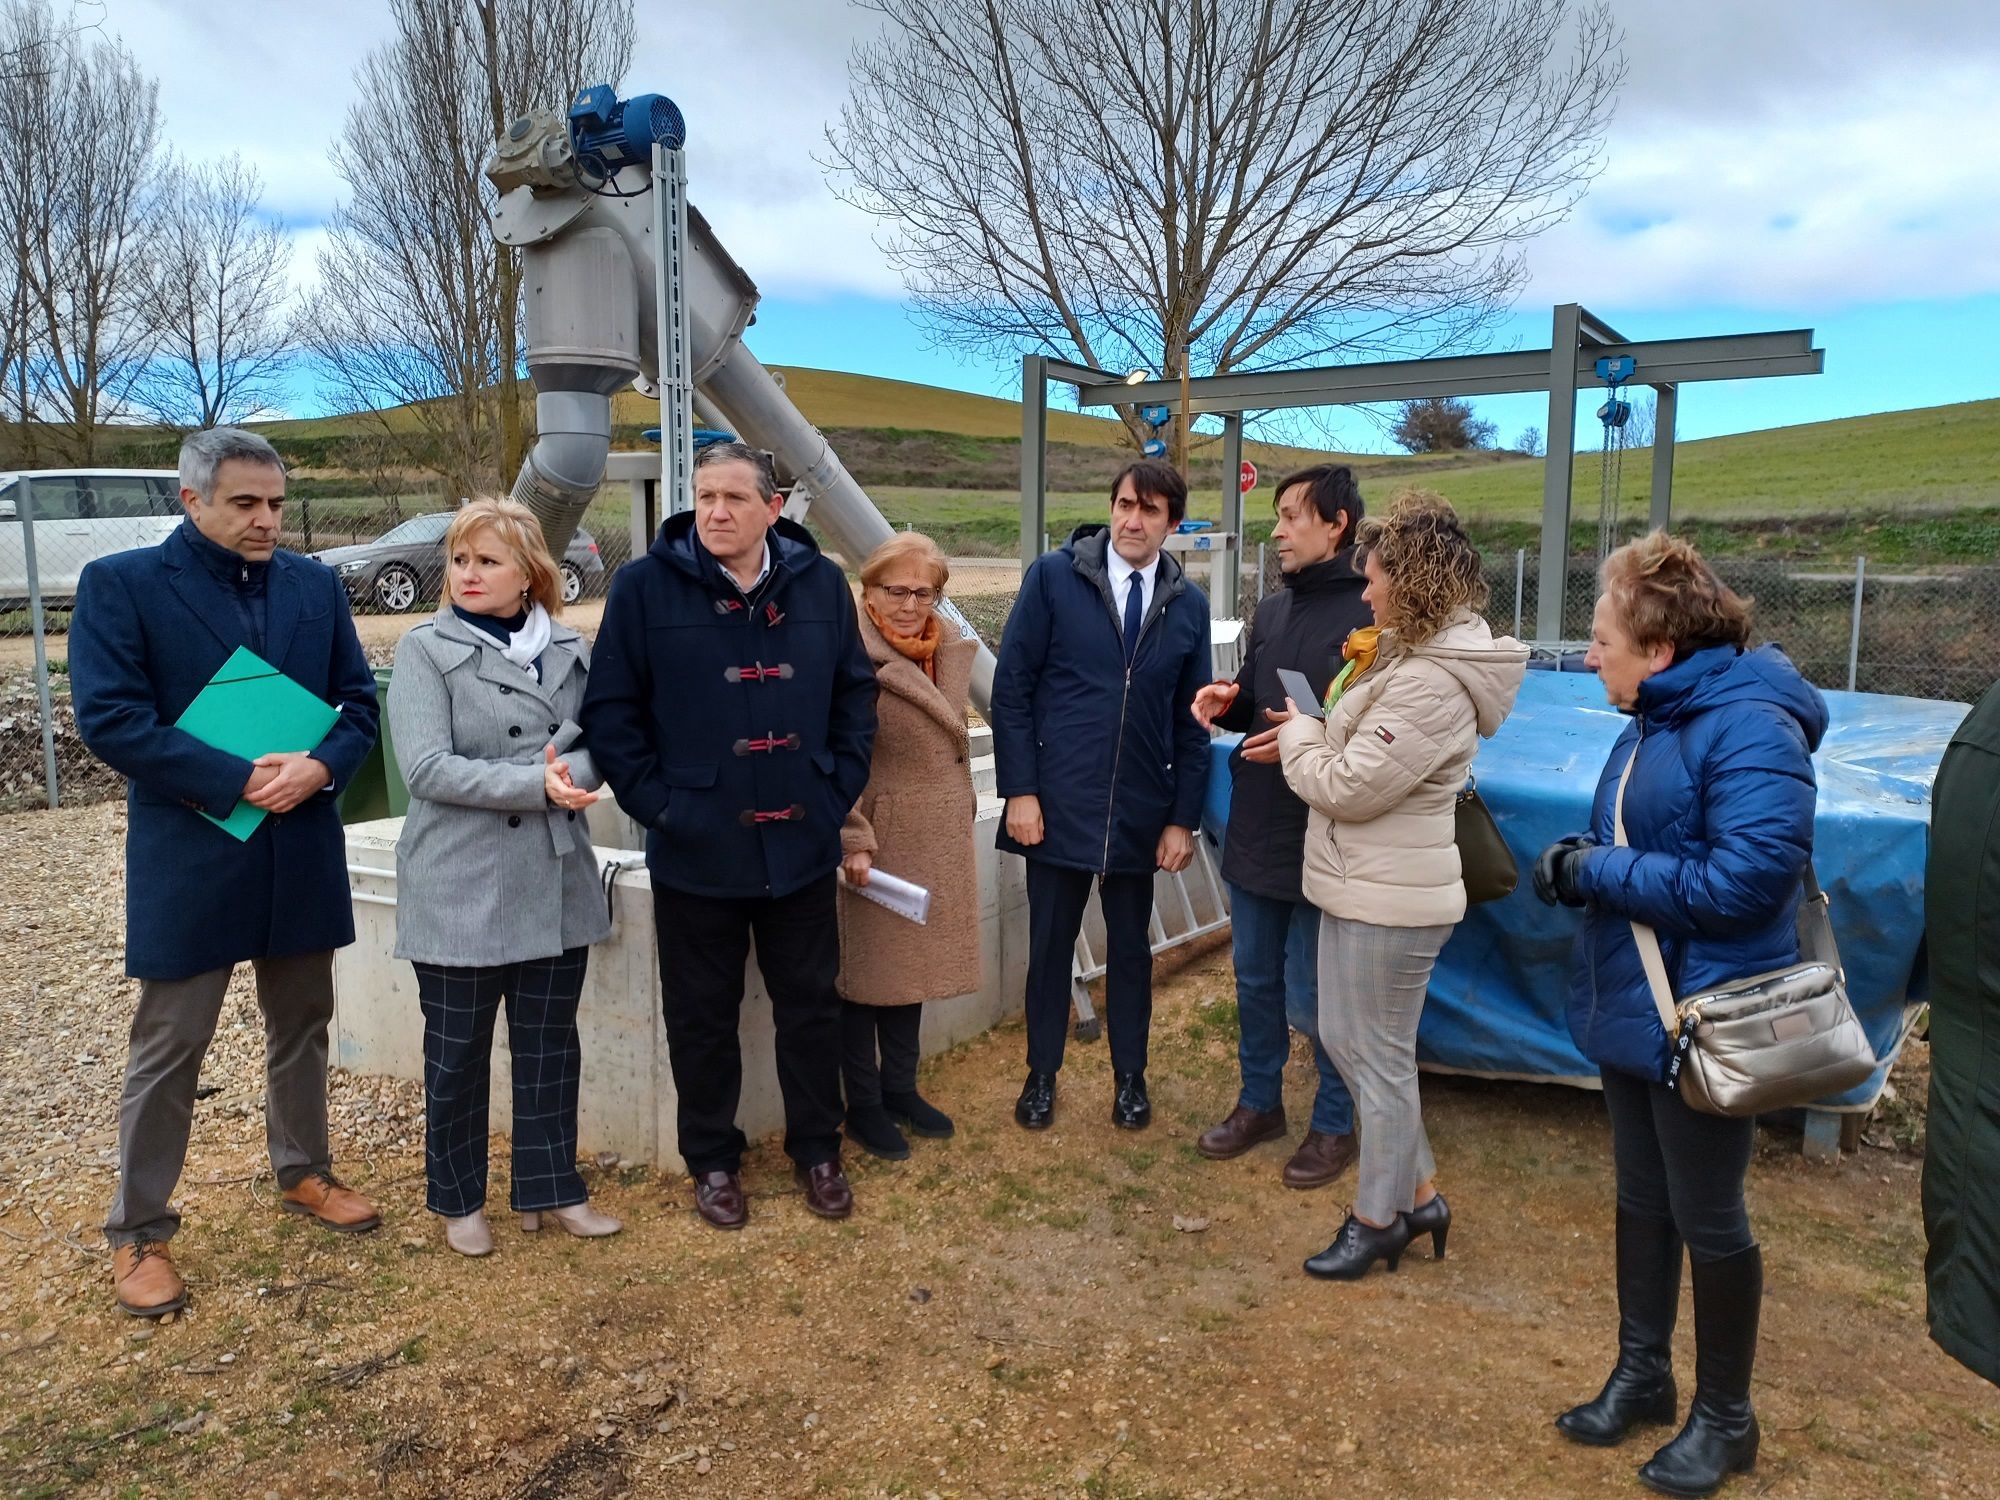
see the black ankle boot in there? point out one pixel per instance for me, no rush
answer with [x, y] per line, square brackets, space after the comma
[1357, 1247]
[917, 1114]
[1640, 1391]
[870, 1128]
[1720, 1437]
[1433, 1219]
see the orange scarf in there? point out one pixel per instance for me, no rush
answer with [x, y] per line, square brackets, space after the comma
[1359, 653]
[920, 648]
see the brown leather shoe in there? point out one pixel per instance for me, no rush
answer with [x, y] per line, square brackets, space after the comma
[718, 1198]
[827, 1192]
[144, 1280]
[1320, 1159]
[1243, 1129]
[325, 1197]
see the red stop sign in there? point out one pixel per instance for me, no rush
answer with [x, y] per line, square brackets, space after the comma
[1247, 479]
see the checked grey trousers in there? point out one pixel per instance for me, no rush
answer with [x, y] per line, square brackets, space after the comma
[1372, 981]
[170, 1035]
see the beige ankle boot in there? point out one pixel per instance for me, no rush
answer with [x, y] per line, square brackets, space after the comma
[580, 1219]
[469, 1235]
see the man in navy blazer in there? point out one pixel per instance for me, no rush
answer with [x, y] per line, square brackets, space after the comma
[150, 629]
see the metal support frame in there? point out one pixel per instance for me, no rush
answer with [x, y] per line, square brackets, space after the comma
[676, 372]
[1034, 456]
[1569, 363]
[1666, 398]
[24, 512]
[1228, 577]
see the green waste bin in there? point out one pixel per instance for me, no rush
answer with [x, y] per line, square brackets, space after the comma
[377, 790]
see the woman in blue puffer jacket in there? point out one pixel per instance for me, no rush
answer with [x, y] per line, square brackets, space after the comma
[1718, 820]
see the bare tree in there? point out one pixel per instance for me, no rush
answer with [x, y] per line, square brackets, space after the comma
[416, 306]
[1220, 184]
[217, 287]
[80, 172]
[1645, 416]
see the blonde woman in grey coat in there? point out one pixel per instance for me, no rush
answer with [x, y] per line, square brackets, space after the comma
[497, 898]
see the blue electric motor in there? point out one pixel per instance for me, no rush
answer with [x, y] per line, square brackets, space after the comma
[607, 132]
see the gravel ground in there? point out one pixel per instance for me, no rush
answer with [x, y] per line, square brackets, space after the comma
[65, 1006]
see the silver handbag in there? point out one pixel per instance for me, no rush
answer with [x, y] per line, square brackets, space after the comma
[1772, 1041]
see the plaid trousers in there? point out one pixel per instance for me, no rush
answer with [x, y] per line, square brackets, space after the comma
[459, 1006]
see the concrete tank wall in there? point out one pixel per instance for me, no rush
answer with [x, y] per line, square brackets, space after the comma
[628, 1099]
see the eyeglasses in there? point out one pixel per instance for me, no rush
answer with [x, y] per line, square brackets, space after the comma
[901, 595]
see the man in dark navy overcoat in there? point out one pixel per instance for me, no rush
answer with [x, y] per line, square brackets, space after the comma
[731, 707]
[1103, 766]
[150, 629]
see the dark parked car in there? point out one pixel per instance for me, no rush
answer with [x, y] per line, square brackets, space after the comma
[405, 564]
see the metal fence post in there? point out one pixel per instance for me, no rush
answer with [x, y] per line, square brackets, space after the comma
[1854, 635]
[1260, 572]
[26, 511]
[1520, 577]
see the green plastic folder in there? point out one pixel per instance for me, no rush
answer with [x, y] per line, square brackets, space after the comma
[250, 708]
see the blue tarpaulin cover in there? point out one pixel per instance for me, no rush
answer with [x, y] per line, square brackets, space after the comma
[1496, 998]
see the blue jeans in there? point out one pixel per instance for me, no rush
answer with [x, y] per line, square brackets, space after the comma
[1276, 953]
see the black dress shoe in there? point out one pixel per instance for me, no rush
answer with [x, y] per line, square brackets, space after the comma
[718, 1198]
[1036, 1108]
[826, 1189]
[1131, 1109]
[870, 1128]
[1357, 1247]
[918, 1115]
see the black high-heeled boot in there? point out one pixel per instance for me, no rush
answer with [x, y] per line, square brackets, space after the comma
[1720, 1437]
[1641, 1390]
[1357, 1247]
[1433, 1219]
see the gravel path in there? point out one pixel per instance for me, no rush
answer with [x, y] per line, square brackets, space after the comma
[65, 1009]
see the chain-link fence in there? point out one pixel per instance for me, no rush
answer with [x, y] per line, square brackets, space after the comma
[1933, 634]
[388, 552]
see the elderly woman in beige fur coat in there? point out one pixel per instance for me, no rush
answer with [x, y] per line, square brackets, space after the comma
[914, 820]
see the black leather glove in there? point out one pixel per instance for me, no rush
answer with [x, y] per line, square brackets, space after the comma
[1556, 868]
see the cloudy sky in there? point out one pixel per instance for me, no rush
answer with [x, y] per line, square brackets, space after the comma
[1774, 164]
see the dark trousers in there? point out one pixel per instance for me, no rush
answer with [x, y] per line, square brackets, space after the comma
[460, 1005]
[171, 1031]
[704, 944]
[1678, 1166]
[1056, 899]
[894, 1030]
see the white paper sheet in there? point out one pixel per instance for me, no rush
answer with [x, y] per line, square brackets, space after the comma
[903, 897]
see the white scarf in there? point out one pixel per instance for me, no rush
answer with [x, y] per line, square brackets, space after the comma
[529, 642]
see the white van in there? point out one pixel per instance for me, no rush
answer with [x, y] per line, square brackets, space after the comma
[80, 515]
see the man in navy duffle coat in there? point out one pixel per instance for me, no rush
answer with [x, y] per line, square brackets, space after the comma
[151, 627]
[1103, 766]
[731, 708]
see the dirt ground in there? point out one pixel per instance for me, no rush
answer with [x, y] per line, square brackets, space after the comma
[1085, 1312]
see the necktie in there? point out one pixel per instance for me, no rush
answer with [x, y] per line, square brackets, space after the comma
[1134, 598]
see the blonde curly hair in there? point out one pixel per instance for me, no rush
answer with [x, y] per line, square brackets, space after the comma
[1433, 568]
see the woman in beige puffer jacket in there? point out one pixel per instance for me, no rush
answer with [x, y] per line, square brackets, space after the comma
[1382, 774]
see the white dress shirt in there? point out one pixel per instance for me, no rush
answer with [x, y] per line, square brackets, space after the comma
[1121, 570]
